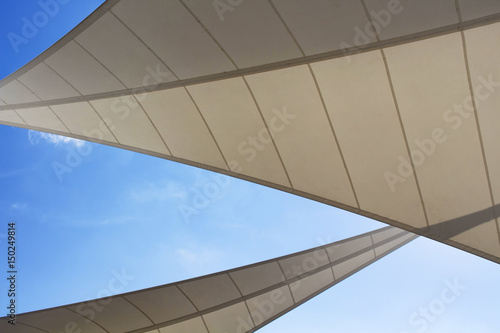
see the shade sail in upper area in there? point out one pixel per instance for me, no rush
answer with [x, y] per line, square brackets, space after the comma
[385, 108]
[239, 300]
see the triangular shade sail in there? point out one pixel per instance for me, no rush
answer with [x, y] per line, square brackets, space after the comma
[386, 108]
[239, 300]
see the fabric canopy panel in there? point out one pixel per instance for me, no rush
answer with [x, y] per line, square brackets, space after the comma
[386, 108]
[239, 300]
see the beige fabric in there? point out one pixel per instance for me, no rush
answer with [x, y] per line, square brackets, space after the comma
[400, 124]
[239, 300]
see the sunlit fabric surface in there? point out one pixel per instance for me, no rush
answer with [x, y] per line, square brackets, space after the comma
[388, 109]
[239, 300]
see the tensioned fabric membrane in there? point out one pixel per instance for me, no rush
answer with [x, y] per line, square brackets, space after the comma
[385, 108]
[239, 300]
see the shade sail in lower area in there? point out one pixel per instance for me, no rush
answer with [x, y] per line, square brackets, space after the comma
[385, 108]
[239, 300]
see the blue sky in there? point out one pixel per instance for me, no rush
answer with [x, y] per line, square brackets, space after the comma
[117, 210]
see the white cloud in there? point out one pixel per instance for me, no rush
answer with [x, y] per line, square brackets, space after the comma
[13, 173]
[162, 191]
[98, 221]
[35, 137]
[19, 206]
[199, 260]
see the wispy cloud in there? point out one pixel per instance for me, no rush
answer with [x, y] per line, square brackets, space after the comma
[35, 137]
[162, 191]
[13, 173]
[199, 259]
[19, 206]
[96, 222]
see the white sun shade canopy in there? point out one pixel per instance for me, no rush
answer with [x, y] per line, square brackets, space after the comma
[386, 108]
[239, 300]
